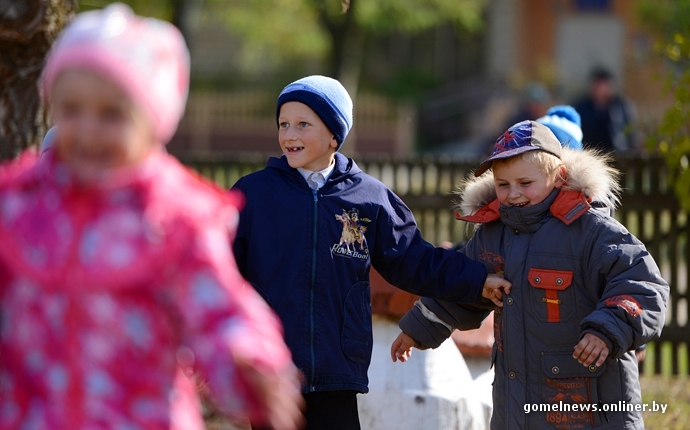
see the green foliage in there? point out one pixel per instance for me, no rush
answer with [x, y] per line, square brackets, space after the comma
[416, 15]
[290, 38]
[409, 84]
[670, 20]
[298, 29]
[161, 9]
[272, 29]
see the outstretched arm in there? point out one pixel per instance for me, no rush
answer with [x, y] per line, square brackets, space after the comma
[430, 322]
[409, 262]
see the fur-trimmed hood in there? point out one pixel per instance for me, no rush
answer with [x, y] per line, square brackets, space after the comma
[588, 171]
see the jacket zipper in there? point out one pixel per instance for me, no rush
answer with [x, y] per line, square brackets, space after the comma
[311, 297]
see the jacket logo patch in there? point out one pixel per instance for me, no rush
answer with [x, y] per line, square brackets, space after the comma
[570, 391]
[494, 262]
[352, 236]
[627, 303]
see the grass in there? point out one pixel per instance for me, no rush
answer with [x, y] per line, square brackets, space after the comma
[666, 388]
[673, 391]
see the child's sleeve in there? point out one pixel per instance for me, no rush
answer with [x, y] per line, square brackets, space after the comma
[411, 263]
[430, 322]
[224, 320]
[632, 295]
[239, 241]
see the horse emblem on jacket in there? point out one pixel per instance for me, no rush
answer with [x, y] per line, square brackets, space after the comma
[352, 234]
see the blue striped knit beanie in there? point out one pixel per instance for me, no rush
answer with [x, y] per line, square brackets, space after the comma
[565, 123]
[327, 98]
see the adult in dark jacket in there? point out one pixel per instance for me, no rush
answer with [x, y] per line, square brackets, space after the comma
[313, 226]
[607, 117]
[585, 291]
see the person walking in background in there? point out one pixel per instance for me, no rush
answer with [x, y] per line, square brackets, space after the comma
[117, 281]
[585, 291]
[608, 119]
[535, 99]
[313, 226]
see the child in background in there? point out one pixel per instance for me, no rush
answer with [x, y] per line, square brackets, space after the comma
[585, 291]
[117, 282]
[48, 141]
[564, 122]
[313, 225]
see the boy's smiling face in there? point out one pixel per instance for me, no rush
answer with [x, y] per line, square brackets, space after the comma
[304, 138]
[521, 183]
[99, 127]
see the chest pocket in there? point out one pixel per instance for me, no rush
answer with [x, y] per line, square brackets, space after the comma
[552, 297]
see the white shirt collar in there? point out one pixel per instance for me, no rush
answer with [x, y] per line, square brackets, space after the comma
[325, 173]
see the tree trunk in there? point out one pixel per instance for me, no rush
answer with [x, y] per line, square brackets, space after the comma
[27, 30]
[185, 13]
[347, 48]
[347, 44]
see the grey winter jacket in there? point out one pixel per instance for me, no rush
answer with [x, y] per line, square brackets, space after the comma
[574, 270]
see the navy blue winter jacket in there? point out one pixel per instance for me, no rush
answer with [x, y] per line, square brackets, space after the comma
[308, 253]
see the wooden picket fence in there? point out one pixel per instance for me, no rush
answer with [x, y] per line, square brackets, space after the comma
[426, 184]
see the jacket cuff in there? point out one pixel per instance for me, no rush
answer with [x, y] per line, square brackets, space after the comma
[419, 328]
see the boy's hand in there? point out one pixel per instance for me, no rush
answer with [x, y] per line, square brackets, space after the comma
[590, 349]
[401, 348]
[492, 288]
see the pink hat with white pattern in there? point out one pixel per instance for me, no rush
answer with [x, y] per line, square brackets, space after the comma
[146, 57]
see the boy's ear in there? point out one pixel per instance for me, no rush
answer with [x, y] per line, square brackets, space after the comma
[561, 177]
[334, 143]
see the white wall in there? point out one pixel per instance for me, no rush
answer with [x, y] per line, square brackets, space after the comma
[434, 390]
[586, 41]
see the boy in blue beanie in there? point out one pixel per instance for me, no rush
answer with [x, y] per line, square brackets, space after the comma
[312, 227]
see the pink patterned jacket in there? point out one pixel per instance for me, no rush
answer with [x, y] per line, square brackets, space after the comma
[110, 293]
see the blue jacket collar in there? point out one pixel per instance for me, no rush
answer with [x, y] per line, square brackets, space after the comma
[344, 167]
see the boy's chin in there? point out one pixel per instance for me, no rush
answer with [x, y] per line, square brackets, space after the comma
[295, 162]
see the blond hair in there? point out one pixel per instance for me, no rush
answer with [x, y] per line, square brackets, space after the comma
[547, 163]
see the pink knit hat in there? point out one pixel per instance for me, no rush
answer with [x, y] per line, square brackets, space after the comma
[146, 57]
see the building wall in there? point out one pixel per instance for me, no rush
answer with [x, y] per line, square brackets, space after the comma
[558, 42]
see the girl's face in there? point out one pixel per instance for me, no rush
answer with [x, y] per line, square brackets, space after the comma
[521, 183]
[99, 126]
[304, 138]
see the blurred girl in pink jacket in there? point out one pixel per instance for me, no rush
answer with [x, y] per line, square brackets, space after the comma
[117, 282]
